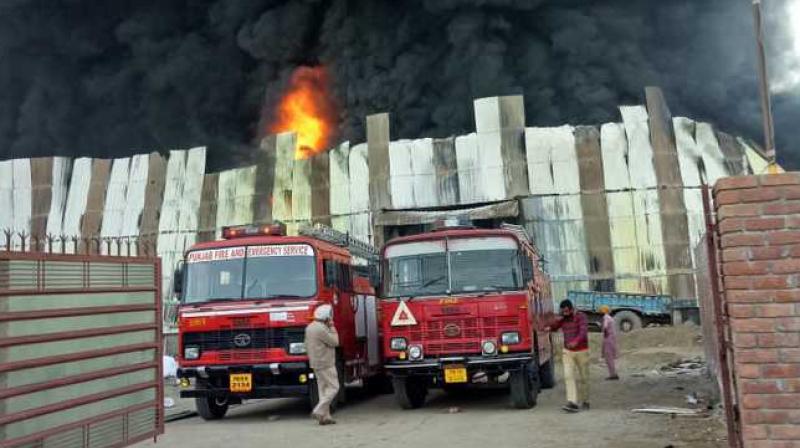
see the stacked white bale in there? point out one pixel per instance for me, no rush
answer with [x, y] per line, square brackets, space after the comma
[58, 201]
[235, 197]
[6, 197]
[554, 210]
[114, 207]
[412, 179]
[340, 187]
[168, 235]
[469, 169]
[646, 210]
[285, 148]
[360, 219]
[134, 200]
[189, 206]
[23, 192]
[301, 195]
[77, 198]
[493, 117]
[622, 224]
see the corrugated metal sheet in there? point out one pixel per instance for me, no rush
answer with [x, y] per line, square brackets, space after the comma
[77, 196]
[58, 201]
[360, 220]
[340, 187]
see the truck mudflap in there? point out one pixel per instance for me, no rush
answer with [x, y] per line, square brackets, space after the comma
[274, 380]
[434, 366]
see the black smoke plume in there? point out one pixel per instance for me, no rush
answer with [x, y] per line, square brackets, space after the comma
[111, 78]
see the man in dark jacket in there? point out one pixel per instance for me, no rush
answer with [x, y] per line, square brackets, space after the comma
[575, 327]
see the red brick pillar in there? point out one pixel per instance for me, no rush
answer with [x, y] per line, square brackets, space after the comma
[759, 228]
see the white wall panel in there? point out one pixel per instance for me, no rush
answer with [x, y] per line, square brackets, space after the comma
[6, 195]
[134, 202]
[360, 220]
[412, 179]
[22, 195]
[188, 218]
[552, 160]
[116, 194]
[340, 187]
[640, 151]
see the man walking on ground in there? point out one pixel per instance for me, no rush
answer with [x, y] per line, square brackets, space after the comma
[575, 327]
[321, 342]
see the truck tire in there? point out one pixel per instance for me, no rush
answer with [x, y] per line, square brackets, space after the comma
[627, 321]
[547, 374]
[409, 392]
[524, 387]
[211, 408]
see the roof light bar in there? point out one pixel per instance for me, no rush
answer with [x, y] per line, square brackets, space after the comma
[275, 229]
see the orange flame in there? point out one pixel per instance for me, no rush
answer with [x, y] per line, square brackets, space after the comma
[307, 109]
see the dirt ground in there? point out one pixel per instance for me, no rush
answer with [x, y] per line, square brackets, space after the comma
[484, 418]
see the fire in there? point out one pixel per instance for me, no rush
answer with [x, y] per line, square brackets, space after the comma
[307, 109]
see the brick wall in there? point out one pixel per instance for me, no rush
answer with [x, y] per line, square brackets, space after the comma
[759, 228]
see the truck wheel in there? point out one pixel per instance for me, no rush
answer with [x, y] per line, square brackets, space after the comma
[524, 387]
[627, 321]
[547, 374]
[211, 408]
[409, 392]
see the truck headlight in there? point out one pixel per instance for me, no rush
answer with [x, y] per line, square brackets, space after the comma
[415, 352]
[510, 338]
[297, 348]
[489, 347]
[398, 344]
[191, 352]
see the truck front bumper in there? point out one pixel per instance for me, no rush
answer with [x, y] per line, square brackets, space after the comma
[434, 366]
[274, 380]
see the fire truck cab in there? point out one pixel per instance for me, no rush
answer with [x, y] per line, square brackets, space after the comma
[463, 306]
[245, 302]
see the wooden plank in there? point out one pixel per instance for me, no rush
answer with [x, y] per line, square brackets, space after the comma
[674, 222]
[62, 167]
[41, 196]
[207, 221]
[265, 180]
[378, 137]
[95, 199]
[446, 170]
[595, 209]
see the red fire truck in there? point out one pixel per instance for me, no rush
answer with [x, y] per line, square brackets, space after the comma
[466, 306]
[245, 302]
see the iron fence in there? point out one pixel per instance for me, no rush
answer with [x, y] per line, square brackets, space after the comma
[126, 246]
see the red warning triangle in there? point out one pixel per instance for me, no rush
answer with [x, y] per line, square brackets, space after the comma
[403, 316]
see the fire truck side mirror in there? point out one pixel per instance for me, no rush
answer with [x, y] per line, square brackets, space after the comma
[177, 280]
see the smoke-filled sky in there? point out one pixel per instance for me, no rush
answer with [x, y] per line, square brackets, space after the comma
[110, 78]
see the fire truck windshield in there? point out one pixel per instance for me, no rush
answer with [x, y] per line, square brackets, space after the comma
[250, 273]
[456, 265]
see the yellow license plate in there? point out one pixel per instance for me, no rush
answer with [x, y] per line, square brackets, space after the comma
[455, 375]
[241, 382]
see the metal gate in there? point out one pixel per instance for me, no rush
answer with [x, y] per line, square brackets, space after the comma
[714, 317]
[80, 349]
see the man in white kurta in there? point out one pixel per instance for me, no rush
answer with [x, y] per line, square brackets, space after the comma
[321, 342]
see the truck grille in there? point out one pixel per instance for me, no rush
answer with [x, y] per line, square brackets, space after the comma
[473, 330]
[244, 339]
